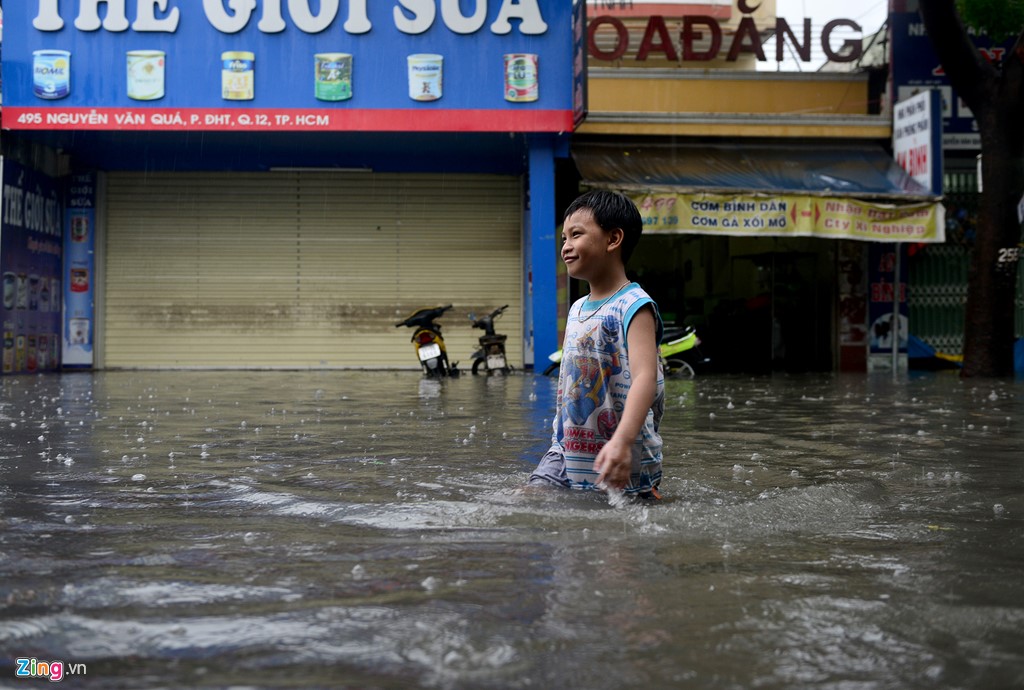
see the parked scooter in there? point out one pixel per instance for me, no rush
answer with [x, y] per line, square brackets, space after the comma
[679, 350]
[427, 340]
[491, 355]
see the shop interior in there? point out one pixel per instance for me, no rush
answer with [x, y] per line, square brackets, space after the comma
[758, 304]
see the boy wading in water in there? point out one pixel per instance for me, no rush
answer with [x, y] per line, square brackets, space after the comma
[611, 390]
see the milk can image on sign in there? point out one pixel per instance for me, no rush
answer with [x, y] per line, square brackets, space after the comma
[51, 70]
[425, 82]
[238, 80]
[333, 76]
[146, 74]
[521, 83]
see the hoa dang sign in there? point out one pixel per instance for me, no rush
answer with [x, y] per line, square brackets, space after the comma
[384, 65]
[694, 32]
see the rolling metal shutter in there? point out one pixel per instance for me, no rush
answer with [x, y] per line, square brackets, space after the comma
[304, 269]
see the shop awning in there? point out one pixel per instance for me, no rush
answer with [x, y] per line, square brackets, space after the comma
[766, 189]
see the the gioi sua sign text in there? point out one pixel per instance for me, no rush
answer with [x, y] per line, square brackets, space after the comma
[232, 16]
[295, 65]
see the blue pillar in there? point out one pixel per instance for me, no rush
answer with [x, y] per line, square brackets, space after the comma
[540, 299]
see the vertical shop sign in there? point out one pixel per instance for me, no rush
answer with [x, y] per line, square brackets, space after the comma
[579, 62]
[883, 280]
[917, 138]
[79, 277]
[30, 263]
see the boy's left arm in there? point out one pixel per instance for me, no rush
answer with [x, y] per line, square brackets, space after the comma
[615, 460]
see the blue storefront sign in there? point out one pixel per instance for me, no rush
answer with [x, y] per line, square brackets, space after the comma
[270, 65]
[30, 263]
[916, 68]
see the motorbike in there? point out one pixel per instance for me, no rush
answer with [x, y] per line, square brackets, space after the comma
[491, 355]
[679, 350]
[428, 343]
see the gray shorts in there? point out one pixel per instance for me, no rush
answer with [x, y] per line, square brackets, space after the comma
[551, 470]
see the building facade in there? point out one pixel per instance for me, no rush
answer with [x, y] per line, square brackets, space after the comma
[773, 205]
[276, 187]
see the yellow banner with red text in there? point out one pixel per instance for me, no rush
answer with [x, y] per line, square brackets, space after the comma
[791, 215]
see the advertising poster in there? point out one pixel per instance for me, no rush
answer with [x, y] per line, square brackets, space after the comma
[30, 263]
[498, 66]
[882, 279]
[79, 278]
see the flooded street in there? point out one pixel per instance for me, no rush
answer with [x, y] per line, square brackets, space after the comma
[372, 530]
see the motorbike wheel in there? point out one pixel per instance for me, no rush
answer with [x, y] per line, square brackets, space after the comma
[678, 369]
[478, 364]
[552, 369]
[435, 368]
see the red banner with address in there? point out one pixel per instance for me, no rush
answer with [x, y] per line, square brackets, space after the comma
[285, 119]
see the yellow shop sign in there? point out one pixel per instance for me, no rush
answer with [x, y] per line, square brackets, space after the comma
[791, 215]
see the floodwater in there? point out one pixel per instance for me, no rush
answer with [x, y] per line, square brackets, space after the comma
[371, 530]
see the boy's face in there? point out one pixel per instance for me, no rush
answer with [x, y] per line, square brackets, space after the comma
[585, 246]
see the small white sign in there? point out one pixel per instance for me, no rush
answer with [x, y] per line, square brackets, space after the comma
[913, 125]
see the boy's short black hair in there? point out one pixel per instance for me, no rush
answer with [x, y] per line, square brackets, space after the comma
[612, 210]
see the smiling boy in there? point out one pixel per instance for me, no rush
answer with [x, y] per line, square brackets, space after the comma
[611, 390]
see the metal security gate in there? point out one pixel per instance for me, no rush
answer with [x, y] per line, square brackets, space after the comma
[303, 269]
[938, 296]
[938, 273]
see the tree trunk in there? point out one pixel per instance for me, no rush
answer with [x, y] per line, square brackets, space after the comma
[992, 281]
[996, 95]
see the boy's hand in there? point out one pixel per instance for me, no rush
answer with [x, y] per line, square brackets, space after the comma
[613, 463]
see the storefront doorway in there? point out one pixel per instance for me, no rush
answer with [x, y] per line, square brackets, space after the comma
[759, 304]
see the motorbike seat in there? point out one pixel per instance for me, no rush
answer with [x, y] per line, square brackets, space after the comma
[675, 333]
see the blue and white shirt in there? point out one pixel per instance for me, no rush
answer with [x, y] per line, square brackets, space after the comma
[593, 382]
